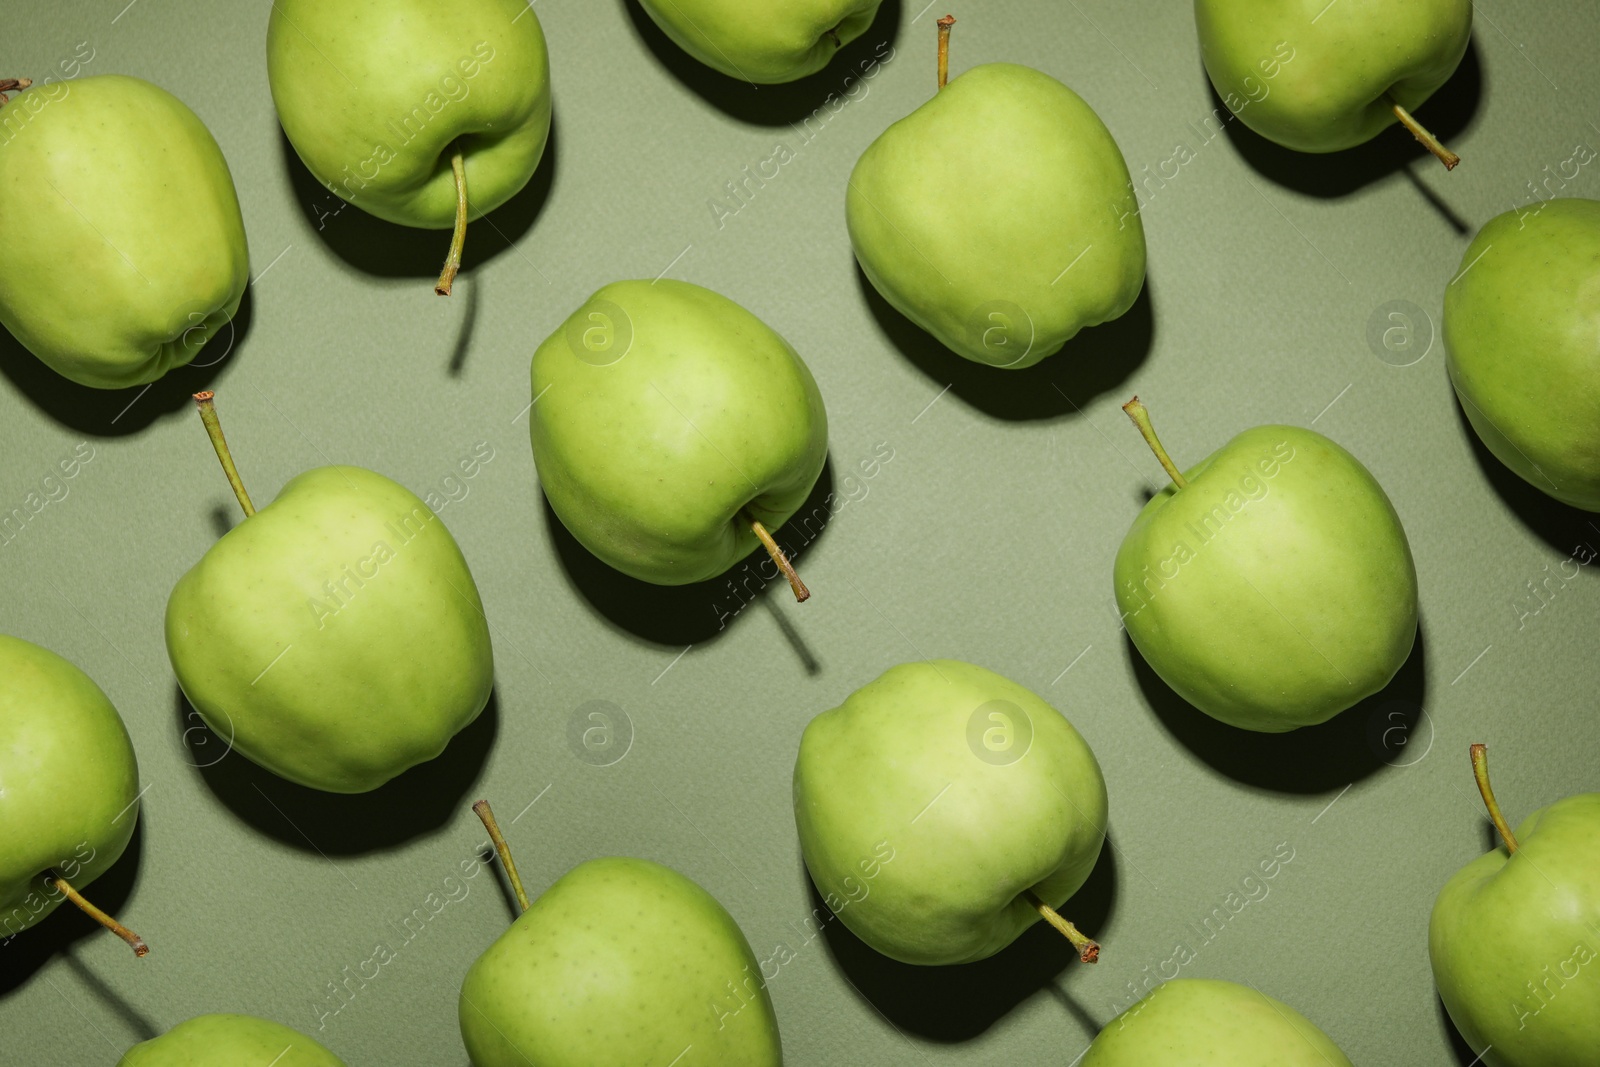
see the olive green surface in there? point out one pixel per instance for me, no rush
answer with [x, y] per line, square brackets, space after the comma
[975, 515]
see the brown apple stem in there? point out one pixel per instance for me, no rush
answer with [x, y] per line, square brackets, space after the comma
[1420, 132]
[206, 402]
[1480, 771]
[801, 593]
[134, 940]
[944, 48]
[1141, 418]
[452, 262]
[833, 35]
[11, 85]
[1088, 948]
[486, 814]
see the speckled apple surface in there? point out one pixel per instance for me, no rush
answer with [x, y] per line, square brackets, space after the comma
[974, 515]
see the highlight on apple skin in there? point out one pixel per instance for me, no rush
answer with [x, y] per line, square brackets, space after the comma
[229, 1041]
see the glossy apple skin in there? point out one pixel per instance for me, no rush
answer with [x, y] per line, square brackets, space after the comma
[69, 782]
[765, 44]
[1198, 1022]
[1276, 590]
[664, 412]
[1522, 330]
[1515, 942]
[229, 1041]
[1328, 96]
[620, 962]
[412, 77]
[116, 197]
[948, 890]
[970, 216]
[337, 688]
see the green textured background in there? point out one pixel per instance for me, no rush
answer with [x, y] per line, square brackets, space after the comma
[988, 536]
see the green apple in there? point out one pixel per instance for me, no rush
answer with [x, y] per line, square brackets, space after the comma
[1321, 77]
[69, 786]
[419, 113]
[1522, 329]
[1271, 585]
[121, 222]
[943, 809]
[335, 637]
[672, 428]
[763, 44]
[1515, 937]
[620, 962]
[229, 1041]
[999, 217]
[1200, 1022]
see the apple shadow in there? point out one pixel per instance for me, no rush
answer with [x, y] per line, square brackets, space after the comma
[769, 105]
[1096, 361]
[414, 804]
[24, 954]
[121, 412]
[1464, 1056]
[692, 614]
[131, 1017]
[1313, 759]
[958, 1003]
[473, 295]
[389, 250]
[1448, 113]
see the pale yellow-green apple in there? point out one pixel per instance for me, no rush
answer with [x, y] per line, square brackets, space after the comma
[762, 43]
[120, 227]
[336, 636]
[1522, 332]
[1271, 584]
[943, 809]
[422, 114]
[229, 1041]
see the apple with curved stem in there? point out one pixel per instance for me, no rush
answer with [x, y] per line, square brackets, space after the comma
[944, 809]
[121, 226]
[69, 788]
[229, 1041]
[672, 429]
[1200, 1022]
[1514, 938]
[335, 637]
[620, 962]
[1321, 77]
[406, 108]
[763, 45]
[1271, 585]
[998, 216]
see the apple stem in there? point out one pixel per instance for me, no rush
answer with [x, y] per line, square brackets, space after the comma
[1088, 948]
[1420, 132]
[1141, 418]
[452, 262]
[801, 593]
[833, 35]
[206, 402]
[944, 48]
[134, 940]
[11, 85]
[486, 814]
[1480, 771]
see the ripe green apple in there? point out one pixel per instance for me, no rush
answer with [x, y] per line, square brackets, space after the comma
[69, 783]
[943, 809]
[117, 200]
[1271, 585]
[999, 217]
[763, 44]
[1522, 329]
[419, 113]
[1321, 77]
[671, 428]
[1515, 937]
[1200, 1022]
[229, 1041]
[335, 637]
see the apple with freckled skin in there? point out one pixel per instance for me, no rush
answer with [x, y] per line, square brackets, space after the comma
[762, 43]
